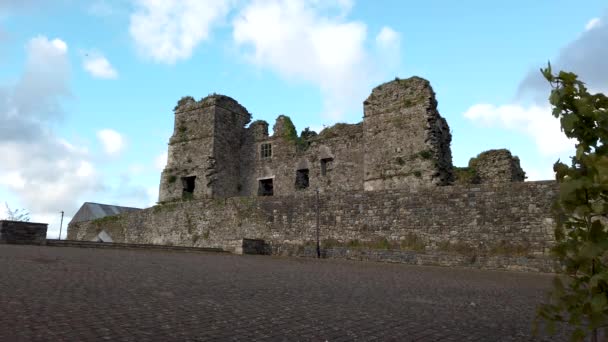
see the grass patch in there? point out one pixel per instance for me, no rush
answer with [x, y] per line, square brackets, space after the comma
[107, 220]
[465, 175]
[511, 249]
[412, 242]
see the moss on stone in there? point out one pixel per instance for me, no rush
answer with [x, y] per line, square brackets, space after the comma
[465, 175]
[183, 101]
[289, 129]
[107, 220]
[426, 154]
[510, 249]
[382, 243]
[333, 131]
[164, 206]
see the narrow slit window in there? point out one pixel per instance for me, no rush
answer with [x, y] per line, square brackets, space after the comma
[326, 165]
[188, 184]
[265, 187]
[302, 180]
[266, 151]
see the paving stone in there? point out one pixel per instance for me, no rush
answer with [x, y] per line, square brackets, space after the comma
[99, 294]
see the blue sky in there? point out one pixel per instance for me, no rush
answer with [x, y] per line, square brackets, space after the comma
[87, 88]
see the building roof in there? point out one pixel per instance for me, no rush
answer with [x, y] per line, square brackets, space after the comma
[91, 211]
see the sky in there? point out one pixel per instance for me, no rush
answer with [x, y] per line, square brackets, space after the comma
[87, 88]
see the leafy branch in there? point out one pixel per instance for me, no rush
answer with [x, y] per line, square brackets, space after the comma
[579, 295]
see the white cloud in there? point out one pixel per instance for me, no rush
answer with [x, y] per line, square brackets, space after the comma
[299, 40]
[98, 66]
[160, 161]
[534, 121]
[538, 174]
[13, 179]
[387, 38]
[46, 173]
[168, 31]
[112, 141]
[593, 23]
[388, 43]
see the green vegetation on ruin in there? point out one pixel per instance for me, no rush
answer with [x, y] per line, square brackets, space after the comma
[411, 242]
[102, 221]
[465, 175]
[183, 101]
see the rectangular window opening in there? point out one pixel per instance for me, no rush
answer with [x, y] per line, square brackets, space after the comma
[326, 165]
[266, 151]
[302, 180]
[188, 184]
[265, 187]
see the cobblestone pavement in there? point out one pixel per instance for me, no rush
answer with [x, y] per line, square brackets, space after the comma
[78, 294]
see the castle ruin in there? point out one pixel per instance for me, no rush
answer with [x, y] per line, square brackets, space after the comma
[382, 189]
[403, 142]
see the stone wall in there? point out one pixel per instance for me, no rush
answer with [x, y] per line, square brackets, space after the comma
[511, 222]
[205, 144]
[402, 142]
[406, 141]
[333, 161]
[497, 166]
[19, 232]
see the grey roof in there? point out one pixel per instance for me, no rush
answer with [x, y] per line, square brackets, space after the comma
[91, 211]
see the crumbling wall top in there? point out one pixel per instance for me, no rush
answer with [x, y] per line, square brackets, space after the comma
[188, 103]
[400, 93]
[497, 165]
[259, 129]
[283, 127]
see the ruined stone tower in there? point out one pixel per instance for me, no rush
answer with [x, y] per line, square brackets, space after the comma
[403, 142]
[203, 150]
[407, 142]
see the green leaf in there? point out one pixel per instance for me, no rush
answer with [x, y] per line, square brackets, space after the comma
[577, 335]
[598, 302]
[581, 244]
[596, 233]
[596, 278]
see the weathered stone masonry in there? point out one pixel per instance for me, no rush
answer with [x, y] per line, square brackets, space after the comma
[20, 232]
[388, 190]
[477, 223]
[402, 142]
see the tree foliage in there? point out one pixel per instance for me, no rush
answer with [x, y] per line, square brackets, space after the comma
[579, 296]
[17, 214]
